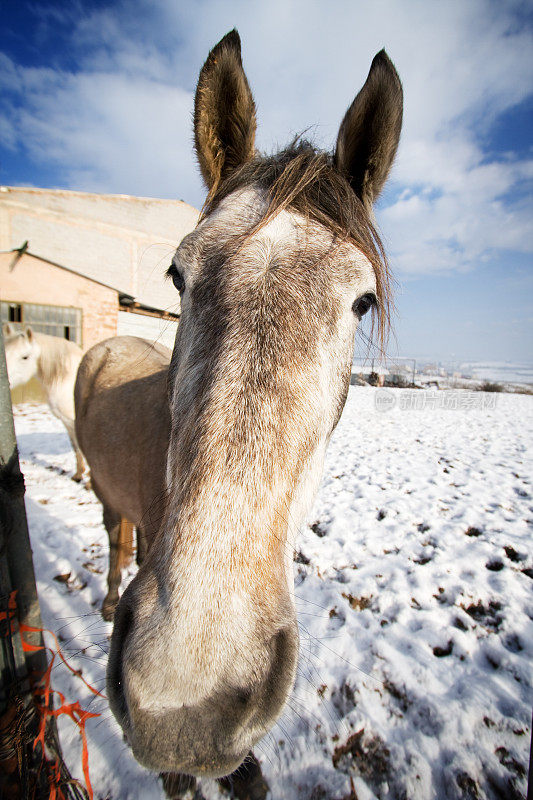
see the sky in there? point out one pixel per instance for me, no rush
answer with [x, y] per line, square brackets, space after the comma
[98, 96]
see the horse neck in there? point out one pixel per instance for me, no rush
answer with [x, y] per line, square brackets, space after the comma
[53, 367]
[39, 372]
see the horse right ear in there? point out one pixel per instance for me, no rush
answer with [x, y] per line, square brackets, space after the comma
[28, 331]
[8, 329]
[370, 131]
[224, 113]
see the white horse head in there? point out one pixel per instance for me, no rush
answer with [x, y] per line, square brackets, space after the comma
[54, 362]
[22, 355]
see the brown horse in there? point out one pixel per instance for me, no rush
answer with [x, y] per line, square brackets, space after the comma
[273, 283]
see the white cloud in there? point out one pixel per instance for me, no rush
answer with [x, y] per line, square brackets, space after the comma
[107, 132]
[452, 219]
[122, 122]
[8, 134]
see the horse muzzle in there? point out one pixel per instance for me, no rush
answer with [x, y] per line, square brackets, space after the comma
[210, 736]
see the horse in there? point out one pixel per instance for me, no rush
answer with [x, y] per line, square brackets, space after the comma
[222, 466]
[54, 362]
[123, 428]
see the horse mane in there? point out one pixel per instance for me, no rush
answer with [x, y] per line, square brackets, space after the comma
[55, 358]
[305, 179]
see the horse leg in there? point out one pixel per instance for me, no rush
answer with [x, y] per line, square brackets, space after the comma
[80, 461]
[142, 545]
[120, 533]
[80, 464]
[247, 782]
[126, 548]
[180, 787]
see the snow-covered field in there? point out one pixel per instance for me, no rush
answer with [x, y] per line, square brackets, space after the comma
[414, 592]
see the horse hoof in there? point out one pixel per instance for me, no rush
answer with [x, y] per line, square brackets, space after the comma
[77, 478]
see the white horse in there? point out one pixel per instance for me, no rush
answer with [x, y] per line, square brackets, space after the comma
[54, 362]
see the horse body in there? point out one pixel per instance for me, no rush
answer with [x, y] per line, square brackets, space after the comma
[127, 455]
[273, 283]
[54, 362]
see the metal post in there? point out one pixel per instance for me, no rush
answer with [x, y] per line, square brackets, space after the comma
[22, 769]
[16, 548]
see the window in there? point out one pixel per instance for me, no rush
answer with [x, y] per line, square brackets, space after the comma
[12, 312]
[53, 320]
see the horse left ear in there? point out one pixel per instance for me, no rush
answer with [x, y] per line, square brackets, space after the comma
[224, 113]
[370, 131]
[29, 333]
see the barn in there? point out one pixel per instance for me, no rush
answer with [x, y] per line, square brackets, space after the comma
[88, 266]
[59, 301]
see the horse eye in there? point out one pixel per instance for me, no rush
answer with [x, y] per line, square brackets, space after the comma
[24, 358]
[364, 304]
[177, 278]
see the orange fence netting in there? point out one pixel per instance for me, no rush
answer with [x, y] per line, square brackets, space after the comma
[44, 694]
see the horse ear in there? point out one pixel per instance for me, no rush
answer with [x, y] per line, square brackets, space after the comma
[28, 331]
[8, 329]
[224, 113]
[370, 131]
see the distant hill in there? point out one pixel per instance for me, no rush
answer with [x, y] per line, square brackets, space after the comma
[499, 371]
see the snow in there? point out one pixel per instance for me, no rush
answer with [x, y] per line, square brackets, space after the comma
[500, 371]
[414, 595]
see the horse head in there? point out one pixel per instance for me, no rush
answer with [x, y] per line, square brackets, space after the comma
[22, 355]
[273, 282]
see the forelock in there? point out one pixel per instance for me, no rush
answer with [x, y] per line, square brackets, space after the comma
[304, 179]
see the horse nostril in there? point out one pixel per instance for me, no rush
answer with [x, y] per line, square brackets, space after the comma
[284, 650]
[285, 644]
[123, 625]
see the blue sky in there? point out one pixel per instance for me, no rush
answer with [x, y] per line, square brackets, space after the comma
[97, 96]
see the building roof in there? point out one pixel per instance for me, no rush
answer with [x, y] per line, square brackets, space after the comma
[24, 250]
[39, 190]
